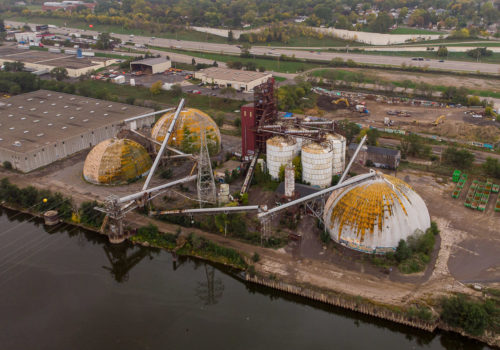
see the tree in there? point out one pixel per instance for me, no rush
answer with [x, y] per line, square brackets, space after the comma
[460, 158]
[350, 129]
[104, 41]
[193, 61]
[372, 137]
[155, 88]
[13, 66]
[382, 23]
[403, 252]
[492, 167]
[228, 90]
[230, 36]
[59, 73]
[176, 90]
[442, 51]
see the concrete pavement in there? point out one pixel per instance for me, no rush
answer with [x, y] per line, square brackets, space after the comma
[303, 54]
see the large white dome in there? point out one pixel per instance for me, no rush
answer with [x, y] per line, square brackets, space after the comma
[374, 215]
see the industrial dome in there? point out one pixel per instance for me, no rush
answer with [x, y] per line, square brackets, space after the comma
[374, 215]
[116, 161]
[187, 131]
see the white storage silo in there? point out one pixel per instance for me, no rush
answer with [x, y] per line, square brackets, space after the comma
[317, 160]
[279, 151]
[338, 149]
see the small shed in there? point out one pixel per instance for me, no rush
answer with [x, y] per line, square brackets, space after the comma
[151, 65]
[381, 157]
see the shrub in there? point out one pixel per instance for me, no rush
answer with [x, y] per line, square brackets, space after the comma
[7, 165]
[471, 316]
[255, 257]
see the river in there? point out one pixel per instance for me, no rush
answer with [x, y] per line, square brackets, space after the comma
[66, 288]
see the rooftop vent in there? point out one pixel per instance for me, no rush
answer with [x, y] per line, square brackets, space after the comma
[97, 103]
[106, 114]
[1, 139]
[85, 120]
[11, 128]
[52, 104]
[64, 127]
[48, 95]
[36, 120]
[71, 118]
[42, 101]
[109, 106]
[50, 124]
[59, 97]
[78, 108]
[91, 111]
[40, 134]
[9, 104]
[29, 99]
[23, 118]
[20, 107]
[72, 98]
[11, 115]
[124, 108]
[58, 114]
[45, 112]
[66, 106]
[26, 131]
[33, 109]
[17, 143]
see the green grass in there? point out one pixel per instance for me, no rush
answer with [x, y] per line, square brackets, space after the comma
[202, 102]
[406, 30]
[270, 64]
[304, 41]
[278, 79]
[455, 56]
[189, 35]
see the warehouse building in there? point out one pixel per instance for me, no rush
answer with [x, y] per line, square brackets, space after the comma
[379, 156]
[40, 61]
[151, 65]
[41, 127]
[241, 80]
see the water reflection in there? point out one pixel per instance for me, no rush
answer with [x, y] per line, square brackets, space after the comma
[210, 291]
[124, 257]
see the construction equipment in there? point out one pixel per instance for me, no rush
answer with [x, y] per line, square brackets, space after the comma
[439, 120]
[342, 102]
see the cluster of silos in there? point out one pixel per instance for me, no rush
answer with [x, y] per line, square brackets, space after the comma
[320, 161]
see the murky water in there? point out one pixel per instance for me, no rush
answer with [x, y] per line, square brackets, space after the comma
[64, 288]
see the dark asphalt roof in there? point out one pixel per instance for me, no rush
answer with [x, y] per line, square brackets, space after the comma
[378, 150]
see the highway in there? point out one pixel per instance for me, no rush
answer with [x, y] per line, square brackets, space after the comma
[303, 54]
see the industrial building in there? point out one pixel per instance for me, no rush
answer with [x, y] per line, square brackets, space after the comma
[116, 161]
[187, 131]
[151, 65]
[372, 216]
[41, 127]
[45, 61]
[67, 5]
[380, 157]
[241, 80]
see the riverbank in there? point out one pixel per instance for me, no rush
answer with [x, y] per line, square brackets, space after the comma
[256, 272]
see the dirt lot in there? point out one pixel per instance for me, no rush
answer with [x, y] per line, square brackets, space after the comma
[434, 79]
[457, 124]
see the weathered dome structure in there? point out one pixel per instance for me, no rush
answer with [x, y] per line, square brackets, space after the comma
[187, 131]
[116, 161]
[374, 215]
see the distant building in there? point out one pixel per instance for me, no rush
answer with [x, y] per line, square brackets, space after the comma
[28, 38]
[67, 5]
[380, 157]
[45, 61]
[151, 65]
[241, 80]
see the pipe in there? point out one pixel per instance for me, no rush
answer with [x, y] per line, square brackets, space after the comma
[147, 115]
[208, 210]
[318, 194]
[157, 188]
[164, 144]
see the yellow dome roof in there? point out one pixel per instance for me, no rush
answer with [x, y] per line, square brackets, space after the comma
[374, 215]
[187, 131]
[116, 161]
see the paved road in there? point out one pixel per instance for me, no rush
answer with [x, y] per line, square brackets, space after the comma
[480, 157]
[259, 50]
